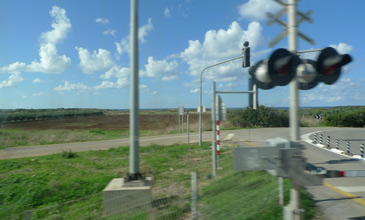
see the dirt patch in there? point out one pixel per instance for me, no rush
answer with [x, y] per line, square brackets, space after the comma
[105, 122]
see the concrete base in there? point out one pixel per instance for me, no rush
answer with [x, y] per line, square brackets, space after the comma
[292, 214]
[120, 196]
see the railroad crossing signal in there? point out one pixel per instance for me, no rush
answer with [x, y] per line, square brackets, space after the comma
[246, 54]
[282, 66]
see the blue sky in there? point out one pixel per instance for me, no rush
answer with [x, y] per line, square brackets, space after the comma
[65, 54]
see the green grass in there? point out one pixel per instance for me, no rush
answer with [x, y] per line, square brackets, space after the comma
[69, 185]
[19, 137]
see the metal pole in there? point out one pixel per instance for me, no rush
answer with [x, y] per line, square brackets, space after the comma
[250, 95]
[187, 125]
[255, 97]
[200, 94]
[214, 142]
[194, 195]
[182, 122]
[178, 116]
[134, 108]
[294, 122]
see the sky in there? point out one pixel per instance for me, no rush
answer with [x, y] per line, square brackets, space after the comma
[75, 54]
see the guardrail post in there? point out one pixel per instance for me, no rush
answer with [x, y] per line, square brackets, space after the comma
[362, 150]
[328, 141]
[337, 144]
[348, 147]
[315, 138]
[320, 139]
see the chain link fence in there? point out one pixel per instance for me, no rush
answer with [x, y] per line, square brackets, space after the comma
[228, 195]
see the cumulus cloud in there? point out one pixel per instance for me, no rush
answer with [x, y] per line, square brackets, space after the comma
[342, 48]
[37, 80]
[98, 61]
[102, 20]
[50, 61]
[161, 68]
[256, 9]
[123, 46]
[344, 89]
[110, 32]
[14, 79]
[167, 13]
[78, 87]
[120, 73]
[219, 46]
[38, 94]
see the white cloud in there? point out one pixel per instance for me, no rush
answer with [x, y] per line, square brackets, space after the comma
[102, 20]
[110, 32]
[154, 93]
[121, 74]
[144, 30]
[161, 68]
[342, 48]
[219, 46]
[37, 80]
[50, 61]
[79, 87]
[100, 61]
[256, 9]
[167, 13]
[143, 86]
[14, 79]
[343, 89]
[38, 94]
[124, 45]
[194, 91]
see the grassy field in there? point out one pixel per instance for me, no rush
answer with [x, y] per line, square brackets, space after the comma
[69, 185]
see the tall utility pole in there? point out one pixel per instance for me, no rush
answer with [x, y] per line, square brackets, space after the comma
[134, 99]
[294, 122]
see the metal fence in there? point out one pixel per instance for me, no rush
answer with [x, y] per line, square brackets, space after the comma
[228, 195]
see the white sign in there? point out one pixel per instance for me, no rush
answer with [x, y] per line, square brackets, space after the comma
[204, 109]
[181, 110]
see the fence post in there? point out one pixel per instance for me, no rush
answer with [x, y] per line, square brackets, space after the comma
[187, 125]
[28, 214]
[194, 195]
[281, 191]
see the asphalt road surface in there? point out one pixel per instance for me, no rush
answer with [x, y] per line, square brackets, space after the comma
[338, 198]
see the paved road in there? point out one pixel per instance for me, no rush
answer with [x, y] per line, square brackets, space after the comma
[333, 199]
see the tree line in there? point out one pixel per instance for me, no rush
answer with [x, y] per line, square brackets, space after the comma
[20, 115]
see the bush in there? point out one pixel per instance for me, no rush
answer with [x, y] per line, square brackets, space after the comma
[261, 117]
[355, 119]
[69, 154]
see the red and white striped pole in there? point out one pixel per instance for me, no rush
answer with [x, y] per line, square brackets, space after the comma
[218, 144]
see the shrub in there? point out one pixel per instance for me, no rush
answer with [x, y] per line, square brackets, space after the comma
[261, 117]
[68, 154]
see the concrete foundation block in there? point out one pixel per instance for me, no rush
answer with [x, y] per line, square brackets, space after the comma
[120, 196]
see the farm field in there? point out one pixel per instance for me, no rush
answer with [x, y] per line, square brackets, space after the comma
[110, 125]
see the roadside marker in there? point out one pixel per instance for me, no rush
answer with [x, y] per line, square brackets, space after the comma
[218, 139]
[348, 147]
